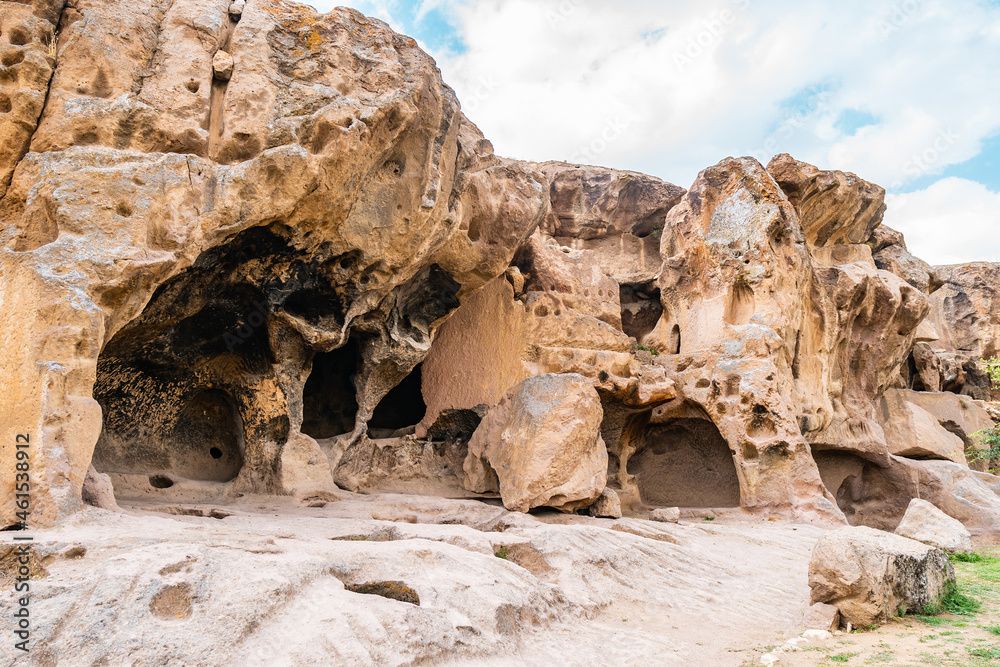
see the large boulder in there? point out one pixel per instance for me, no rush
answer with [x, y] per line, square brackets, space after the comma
[872, 576]
[937, 425]
[925, 523]
[541, 446]
[912, 431]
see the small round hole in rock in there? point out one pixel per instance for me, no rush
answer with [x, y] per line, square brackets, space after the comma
[193, 85]
[5, 105]
[215, 452]
[123, 209]
[160, 482]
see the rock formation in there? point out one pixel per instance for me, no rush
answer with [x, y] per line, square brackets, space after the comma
[541, 446]
[182, 253]
[925, 523]
[245, 248]
[872, 576]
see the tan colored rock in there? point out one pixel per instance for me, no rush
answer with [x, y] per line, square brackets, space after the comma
[871, 576]
[666, 514]
[145, 257]
[896, 259]
[222, 66]
[964, 314]
[927, 367]
[27, 58]
[925, 523]
[733, 290]
[833, 206]
[913, 432]
[927, 332]
[607, 505]
[959, 415]
[98, 491]
[567, 320]
[964, 309]
[878, 497]
[541, 446]
[304, 467]
[617, 215]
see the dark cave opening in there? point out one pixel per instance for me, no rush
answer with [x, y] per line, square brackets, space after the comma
[641, 309]
[187, 388]
[329, 399]
[685, 463]
[165, 384]
[867, 494]
[401, 408]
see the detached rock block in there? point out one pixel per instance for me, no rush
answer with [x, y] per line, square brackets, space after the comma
[222, 66]
[666, 515]
[608, 505]
[925, 523]
[541, 446]
[98, 491]
[872, 576]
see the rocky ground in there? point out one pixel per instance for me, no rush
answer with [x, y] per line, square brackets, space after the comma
[401, 580]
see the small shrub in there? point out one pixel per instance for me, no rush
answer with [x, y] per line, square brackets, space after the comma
[956, 602]
[502, 552]
[652, 350]
[995, 629]
[966, 558]
[841, 657]
[992, 368]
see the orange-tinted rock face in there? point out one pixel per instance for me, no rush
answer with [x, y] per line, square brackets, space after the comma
[177, 244]
[260, 249]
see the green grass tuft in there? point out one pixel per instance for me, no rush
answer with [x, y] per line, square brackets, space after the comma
[991, 652]
[966, 558]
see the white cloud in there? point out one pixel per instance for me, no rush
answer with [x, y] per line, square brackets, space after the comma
[955, 220]
[669, 87]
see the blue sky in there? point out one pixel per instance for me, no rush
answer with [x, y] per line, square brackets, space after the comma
[905, 93]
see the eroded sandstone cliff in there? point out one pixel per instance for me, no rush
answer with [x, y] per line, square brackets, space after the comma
[264, 251]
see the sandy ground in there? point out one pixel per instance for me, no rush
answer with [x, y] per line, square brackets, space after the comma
[279, 582]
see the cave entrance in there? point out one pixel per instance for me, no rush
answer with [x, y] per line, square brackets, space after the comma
[641, 309]
[403, 407]
[329, 399]
[685, 463]
[167, 387]
[867, 494]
